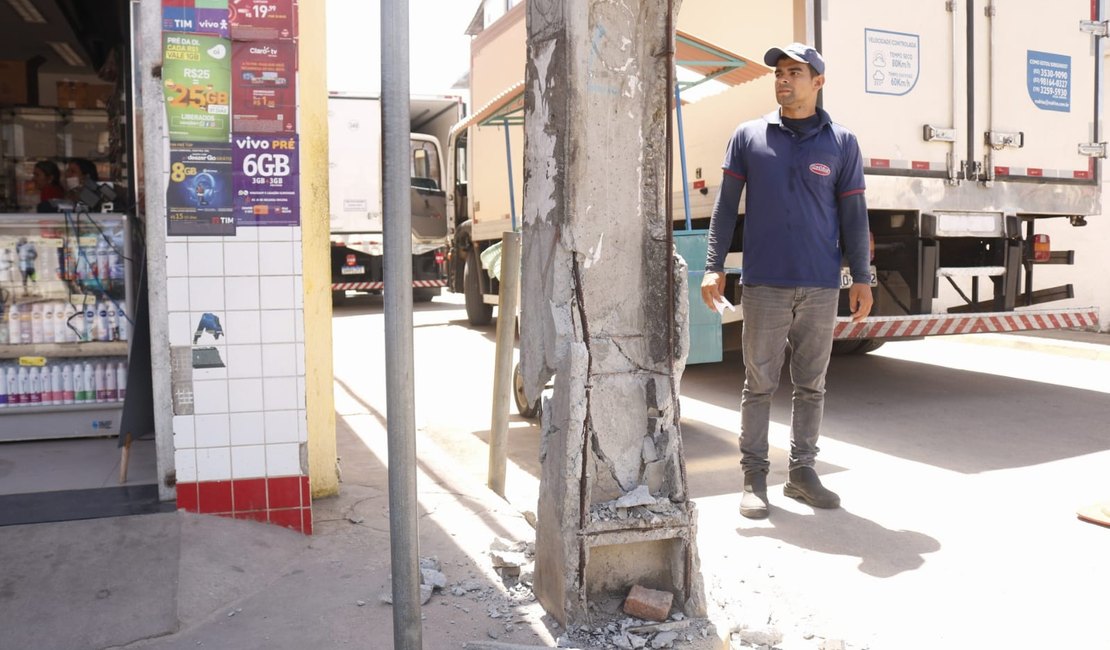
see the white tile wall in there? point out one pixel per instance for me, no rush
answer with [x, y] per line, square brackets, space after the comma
[244, 361]
[278, 326]
[248, 462]
[248, 428]
[283, 459]
[181, 328]
[206, 259]
[177, 260]
[281, 426]
[177, 294]
[183, 432]
[277, 292]
[213, 464]
[242, 292]
[275, 258]
[185, 462]
[242, 327]
[279, 392]
[250, 419]
[213, 430]
[206, 294]
[279, 360]
[210, 396]
[245, 394]
[241, 258]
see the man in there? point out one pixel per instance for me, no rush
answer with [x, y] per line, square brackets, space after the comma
[804, 176]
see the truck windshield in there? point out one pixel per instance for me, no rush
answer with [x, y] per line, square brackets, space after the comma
[425, 165]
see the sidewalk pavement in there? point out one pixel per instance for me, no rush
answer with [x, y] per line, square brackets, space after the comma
[179, 580]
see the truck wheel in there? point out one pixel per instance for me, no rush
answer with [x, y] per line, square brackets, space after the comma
[868, 345]
[338, 298]
[477, 311]
[526, 411]
[842, 347]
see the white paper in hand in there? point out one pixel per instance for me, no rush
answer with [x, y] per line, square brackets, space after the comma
[721, 304]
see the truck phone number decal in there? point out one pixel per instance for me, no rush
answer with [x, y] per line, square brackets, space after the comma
[1049, 80]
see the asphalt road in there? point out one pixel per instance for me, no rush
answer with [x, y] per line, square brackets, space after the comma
[960, 461]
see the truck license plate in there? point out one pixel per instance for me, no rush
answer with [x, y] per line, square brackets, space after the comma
[353, 270]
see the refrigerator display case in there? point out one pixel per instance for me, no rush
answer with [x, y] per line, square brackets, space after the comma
[65, 324]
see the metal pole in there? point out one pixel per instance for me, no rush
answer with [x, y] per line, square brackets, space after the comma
[509, 160]
[503, 366]
[682, 153]
[397, 238]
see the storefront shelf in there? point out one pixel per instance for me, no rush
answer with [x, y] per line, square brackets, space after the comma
[89, 349]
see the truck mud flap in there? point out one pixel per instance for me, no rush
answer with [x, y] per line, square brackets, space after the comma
[903, 327]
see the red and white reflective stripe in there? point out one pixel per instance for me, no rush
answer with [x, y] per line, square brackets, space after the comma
[898, 327]
[915, 165]
[366, 286]
[1039, 172]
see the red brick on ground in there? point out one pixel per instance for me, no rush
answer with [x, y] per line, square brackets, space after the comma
[648, 604]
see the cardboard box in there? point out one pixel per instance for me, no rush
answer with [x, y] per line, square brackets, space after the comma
[72, 94]
[13, 82]
[98, 95]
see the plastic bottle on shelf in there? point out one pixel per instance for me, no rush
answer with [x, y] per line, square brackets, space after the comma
[103, 327]
[113, 321]
[67, 384]
[11, 378]
[73, 323]
[3, 391]
[121, 380]
[90, 321]
[90, 382]
[36, 323]
[78, 383]
[103, 266]
[24, 386]
[56, 387]
[111, 387]
[60, 335]
[7, 266]
[34, 386]
[124, 329]
[15, 330]
[99, 385]
[3, 326]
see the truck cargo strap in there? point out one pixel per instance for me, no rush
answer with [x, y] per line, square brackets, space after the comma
[372, 286]
[898, 327]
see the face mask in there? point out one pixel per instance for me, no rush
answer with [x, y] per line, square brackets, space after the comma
[72, 182]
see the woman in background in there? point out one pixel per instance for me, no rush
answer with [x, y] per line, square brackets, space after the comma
[48, 180]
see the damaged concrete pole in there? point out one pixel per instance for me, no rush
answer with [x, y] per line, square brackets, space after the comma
[604, 307]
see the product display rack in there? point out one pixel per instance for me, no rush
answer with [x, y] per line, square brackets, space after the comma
[65, 324]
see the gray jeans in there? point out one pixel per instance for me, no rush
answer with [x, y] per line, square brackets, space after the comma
[774, 318]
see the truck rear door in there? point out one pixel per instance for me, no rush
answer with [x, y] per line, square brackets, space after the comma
[1040, 90]
[890, 79]
[354, 165]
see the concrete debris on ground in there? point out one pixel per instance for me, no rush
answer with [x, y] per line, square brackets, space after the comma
[637, 504]
[432, 578]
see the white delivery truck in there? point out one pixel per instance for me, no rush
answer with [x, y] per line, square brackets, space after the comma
[355, 189]
[979, 122]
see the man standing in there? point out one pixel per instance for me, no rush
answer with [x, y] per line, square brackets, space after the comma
[804, 176]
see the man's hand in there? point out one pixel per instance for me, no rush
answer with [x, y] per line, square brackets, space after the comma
[712, 288]
[859, 301]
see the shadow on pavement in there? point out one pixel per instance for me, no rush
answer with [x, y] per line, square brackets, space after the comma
[883, 553]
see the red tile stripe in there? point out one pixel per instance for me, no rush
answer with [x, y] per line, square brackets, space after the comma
[284, 500]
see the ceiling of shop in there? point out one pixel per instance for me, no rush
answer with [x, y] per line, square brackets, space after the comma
[98, 22]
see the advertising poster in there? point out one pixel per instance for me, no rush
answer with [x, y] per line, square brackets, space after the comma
[264, 87]
[196, 78]
[262, 20]
[196, 17]
[199, 198]
[267, 179]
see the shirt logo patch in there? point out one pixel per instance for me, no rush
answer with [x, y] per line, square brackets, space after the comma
[820, 169]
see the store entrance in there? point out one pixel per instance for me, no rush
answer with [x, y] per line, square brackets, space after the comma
[76, 439]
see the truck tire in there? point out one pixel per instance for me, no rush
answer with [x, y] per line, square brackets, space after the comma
[477, 311]
[526, 411]
[338, 298]
[842, 347]
[868, 345]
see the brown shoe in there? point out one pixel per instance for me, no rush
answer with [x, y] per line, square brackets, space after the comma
[804, 486]
[753, 503]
